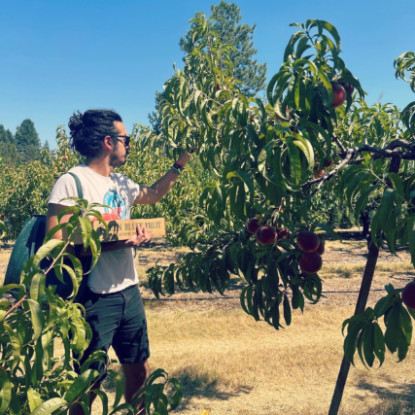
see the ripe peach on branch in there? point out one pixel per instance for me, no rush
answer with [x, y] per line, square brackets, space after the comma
[252, 225]
[308, 241]
[310, 262]
[408, 295]
[266, 235]
[339, 94]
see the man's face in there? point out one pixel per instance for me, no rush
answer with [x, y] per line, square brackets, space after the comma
[121, 145]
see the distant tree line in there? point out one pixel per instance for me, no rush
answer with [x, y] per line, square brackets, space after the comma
[21, 147]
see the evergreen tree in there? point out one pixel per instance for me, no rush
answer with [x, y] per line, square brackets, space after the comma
[225, 19]
[8, 150]
[46, 146]
[154, 117]
[27, 141]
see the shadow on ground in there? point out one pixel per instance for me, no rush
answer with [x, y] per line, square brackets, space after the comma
[398, 398]
[200, 386]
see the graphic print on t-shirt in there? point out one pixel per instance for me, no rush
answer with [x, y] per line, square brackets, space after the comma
[116, 204]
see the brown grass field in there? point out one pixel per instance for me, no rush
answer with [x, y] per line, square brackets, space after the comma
[229, 364]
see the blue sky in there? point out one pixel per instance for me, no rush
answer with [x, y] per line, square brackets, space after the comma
[62, 56]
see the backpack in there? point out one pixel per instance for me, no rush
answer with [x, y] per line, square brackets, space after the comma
[29, 240]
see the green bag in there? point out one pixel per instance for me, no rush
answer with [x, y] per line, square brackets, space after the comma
[28, 242]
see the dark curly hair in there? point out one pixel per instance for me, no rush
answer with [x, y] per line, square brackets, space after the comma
[87, 130]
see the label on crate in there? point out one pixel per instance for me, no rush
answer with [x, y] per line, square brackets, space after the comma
[119, 230]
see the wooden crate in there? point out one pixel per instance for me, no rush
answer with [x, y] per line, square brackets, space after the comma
[120, 230]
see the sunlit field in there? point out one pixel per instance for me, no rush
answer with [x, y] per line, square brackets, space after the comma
[229, 364]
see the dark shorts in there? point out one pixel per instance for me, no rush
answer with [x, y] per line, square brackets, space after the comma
[117, 320]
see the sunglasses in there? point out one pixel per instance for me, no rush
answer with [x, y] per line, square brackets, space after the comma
[127, 140]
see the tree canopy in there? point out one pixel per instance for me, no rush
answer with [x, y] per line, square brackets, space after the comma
[225, 20]
[27, 141]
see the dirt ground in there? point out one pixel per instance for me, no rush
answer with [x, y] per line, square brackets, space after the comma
[275, 382]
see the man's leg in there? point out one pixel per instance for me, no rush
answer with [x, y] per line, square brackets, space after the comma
[135, 376]
[77, 409]
[131, 344]
[103, 313]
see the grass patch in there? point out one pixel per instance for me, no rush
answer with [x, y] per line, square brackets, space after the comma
[230, 364]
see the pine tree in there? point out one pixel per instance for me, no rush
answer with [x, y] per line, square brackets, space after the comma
[225, 19]
[27, 141]
[8, 149]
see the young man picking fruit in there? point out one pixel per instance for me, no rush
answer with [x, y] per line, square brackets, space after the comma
[114, 308]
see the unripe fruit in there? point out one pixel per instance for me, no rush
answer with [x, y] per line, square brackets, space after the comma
[252, 225]
[308, 241]
[266, 235]
[408, 295]
[310, 262]
[339, 94]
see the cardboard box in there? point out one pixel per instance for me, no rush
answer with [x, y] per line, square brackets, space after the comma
[124, 229]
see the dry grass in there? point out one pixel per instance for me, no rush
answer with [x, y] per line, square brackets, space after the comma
[230, 364]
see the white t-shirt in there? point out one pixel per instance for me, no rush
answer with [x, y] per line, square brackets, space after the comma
[114, 270]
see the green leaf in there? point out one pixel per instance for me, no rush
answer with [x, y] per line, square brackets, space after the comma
[81, 384]
[294, 162]
[86, 227]
[243, 298]
[119, 386]
[411, 239]
[7, 288]
[6, 391]
[405, 323]
[36, 317]
[287, 310]
[395, 337]
[379, 343]
[49, 406]
[34, 399]
[325, 80]
[37, 286]
[3, 230]
[46, 250]
[369, 344]
[362, 200]
[305, 146]
[104, 400]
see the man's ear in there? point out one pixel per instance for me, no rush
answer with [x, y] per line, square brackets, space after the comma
[107, 143]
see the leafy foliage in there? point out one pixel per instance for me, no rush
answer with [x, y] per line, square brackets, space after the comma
[403, 64]
[260, 157]
[365, 335]
[41, 332]
[25, 188]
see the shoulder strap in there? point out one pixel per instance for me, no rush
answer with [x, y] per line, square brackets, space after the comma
[78, 184]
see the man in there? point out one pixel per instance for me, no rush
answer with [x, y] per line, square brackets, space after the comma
[114, 308]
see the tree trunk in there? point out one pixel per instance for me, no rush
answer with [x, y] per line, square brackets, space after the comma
[360, 307]
[372, 258]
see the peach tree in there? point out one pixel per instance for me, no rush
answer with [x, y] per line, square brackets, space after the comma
[266, 157]
[261, 155]
[41, 332]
